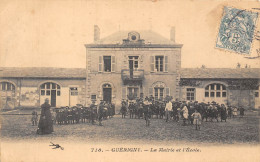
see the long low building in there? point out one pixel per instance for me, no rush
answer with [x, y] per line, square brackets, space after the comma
[28, 87]
[239, 87]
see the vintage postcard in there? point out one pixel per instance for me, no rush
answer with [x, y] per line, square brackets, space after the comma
[129, 80]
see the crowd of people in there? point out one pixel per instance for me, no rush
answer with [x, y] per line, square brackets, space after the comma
[189, 112]
[71, 115]
[77, 114]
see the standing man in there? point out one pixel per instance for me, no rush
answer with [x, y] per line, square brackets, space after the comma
[92, 112]
[185, 114]
[45, 124]
[100, 112]
[168, 108]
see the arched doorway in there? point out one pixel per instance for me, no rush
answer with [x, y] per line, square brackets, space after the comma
[7, 95]
[51, 91]
[107, 92]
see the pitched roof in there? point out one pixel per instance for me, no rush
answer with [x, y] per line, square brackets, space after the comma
[225, 73]
[42, 72]
[149, 37]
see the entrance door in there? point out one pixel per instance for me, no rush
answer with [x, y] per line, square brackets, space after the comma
[107, 94]
[53, 98]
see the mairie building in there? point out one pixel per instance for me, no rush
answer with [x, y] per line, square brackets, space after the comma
[125, 65]
[132, 64]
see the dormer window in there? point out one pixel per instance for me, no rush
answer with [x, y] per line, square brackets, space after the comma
[133, 38]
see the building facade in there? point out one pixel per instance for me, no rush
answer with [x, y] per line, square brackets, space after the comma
[238, 87]
[126, 65]
[29, 87]
[132, 64]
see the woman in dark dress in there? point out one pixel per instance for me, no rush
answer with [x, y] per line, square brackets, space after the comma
[45, 124]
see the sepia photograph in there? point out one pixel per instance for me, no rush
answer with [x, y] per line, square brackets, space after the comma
[129, 80]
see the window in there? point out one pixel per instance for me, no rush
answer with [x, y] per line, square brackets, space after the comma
[216, 90]
[73, 91]
[133, 62]
[159, 63]
[6, 86]
[107, 63]
[133, 92]
[42, 92]
[93, 97]
[256, 94]
[158, 93]
[190, 94]
[47, 87]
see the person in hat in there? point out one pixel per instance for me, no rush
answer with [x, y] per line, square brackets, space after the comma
[242, 111]
[92, 112]
[197, 119]
[147, 111]
[45, 124]
[100, 112]
[168, 108]
[185, 114]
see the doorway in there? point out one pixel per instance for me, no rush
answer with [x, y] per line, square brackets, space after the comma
[107, 93]
[53, 98]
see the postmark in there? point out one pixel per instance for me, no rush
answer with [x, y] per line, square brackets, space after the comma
[236, 30]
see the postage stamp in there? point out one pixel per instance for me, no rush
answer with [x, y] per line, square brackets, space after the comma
[236, 30]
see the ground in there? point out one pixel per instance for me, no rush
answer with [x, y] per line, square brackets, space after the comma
[236, 130]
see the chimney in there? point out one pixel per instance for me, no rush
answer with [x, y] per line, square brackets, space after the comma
[172, 35]
[96, 33]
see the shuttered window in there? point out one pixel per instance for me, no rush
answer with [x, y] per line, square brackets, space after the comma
[167, 91]
[152, 63]
[123, 92]
[113, 64]
[100, 64]
[150, 92]
[166, 63]
[159, 63]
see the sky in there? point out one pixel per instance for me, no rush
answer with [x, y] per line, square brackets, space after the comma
[53, 33]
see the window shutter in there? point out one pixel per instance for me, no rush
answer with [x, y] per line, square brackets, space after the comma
[167, 91]
[123, 92]
[113, 68]
[166, 64]
[150, 92]
[100, 62]
[152, 63]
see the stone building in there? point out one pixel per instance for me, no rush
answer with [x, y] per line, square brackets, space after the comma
[238, 87]
[28, 87]
[132, 64]
[125, 65]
